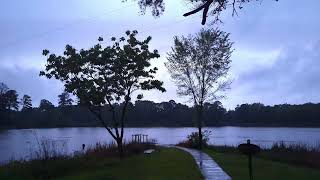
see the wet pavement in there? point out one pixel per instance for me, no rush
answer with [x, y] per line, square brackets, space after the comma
[209, 168]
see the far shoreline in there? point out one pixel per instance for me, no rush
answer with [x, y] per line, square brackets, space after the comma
[240, 126]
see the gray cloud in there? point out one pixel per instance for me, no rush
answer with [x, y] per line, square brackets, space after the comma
[27, 81]
[292, 78]
[276, 59]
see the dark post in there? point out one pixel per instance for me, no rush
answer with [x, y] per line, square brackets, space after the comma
[249, 150]
[250, 166]
[250, 161]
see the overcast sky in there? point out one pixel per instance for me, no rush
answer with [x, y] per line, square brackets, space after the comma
[276, 58]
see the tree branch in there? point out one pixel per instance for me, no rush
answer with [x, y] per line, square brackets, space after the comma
[98, 115]
[124, 110]
[205, 8]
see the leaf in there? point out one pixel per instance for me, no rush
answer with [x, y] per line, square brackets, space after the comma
[100, 39]
[139, 96]
[45, 52]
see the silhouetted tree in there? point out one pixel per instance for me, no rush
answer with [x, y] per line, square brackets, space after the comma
[104, 77]
[65, 100]
[214, 112]
[212, 8]
[8, 98]
[3, 88]
[198, 65]
[170, 114]
[26, 102]
[11, 100]
[3, 99]
[45, 105]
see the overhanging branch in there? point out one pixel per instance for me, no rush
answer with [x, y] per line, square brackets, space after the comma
[205, 8]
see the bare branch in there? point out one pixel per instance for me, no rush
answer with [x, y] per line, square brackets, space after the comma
[99, 117]
[205, 8]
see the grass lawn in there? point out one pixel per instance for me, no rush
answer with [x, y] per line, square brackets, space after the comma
[165, 163]
[236, 165]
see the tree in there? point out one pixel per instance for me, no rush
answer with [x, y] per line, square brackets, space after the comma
[8, 98]
[199, 65]
[106, 76]
[213, 8]
[11, 98]
[26, 102]
[3, 100]
[45, 105]
[3, 88]
[214, 112]
[65, 100]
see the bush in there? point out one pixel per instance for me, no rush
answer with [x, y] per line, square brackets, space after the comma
[193, 140]
[282, 146]
[111, 150]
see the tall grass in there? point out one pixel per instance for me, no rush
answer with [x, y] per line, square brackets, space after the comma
[299, 147]
[296, 154]
[49, 163]
[46, 149]
[111, 150]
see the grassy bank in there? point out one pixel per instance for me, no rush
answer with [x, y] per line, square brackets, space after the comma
[164, 163]
[282, 163]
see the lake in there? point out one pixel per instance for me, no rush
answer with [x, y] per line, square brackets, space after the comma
[17, 144]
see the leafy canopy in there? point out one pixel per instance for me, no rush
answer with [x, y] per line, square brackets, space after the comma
[104, 75]
[212, 8]
[8, 98]
[107, 75]
[64, 99]
[26, 102]
[199, 64]
[45, 105]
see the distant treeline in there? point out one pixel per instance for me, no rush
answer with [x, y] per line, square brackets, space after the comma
[167, 114]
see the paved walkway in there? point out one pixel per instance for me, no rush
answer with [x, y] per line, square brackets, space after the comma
[209, 168]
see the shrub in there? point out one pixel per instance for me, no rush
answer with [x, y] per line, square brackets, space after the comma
[193, 140]
[283, 147]
[111, 150]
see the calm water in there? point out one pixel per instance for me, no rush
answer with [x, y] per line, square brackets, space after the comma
[17, 144]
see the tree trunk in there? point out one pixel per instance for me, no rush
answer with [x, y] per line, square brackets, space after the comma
[120, 147]
[200, 125]
[200, 137]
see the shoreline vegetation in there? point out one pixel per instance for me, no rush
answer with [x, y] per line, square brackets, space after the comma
[168, 114]
[101, 161]
[296, 154]
[270, 164]
[244, 126]
[281, 161]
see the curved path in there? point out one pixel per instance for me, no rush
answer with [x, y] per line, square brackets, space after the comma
[209, 168]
